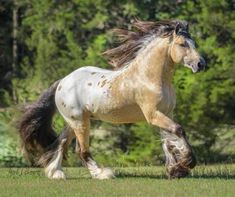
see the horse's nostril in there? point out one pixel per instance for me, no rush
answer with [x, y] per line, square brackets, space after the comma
[199, 65]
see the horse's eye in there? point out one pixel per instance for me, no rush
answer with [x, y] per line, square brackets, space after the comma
[182, 45]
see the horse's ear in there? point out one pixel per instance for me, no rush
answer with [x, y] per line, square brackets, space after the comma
[187, 26]
[177, 28]
[181, 27]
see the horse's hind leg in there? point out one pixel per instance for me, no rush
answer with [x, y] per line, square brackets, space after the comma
[52, 160]
[82, 134]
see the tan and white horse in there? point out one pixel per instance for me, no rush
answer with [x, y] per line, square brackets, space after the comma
[140, 89]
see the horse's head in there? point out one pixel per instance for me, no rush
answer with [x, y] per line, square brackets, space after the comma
[183, 49]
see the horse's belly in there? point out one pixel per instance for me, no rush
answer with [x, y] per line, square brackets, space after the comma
[127, 114]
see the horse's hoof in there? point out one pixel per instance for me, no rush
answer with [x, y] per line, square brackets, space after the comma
[58, 174]
[105, 173]
[179, 173]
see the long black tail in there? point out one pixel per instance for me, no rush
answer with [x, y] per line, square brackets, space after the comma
[35, 126]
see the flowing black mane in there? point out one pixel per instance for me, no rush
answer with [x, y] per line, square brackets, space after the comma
[133, 41]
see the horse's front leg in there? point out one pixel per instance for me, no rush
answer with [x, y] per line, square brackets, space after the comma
[157, 118]
[82, 134]
[178, 152]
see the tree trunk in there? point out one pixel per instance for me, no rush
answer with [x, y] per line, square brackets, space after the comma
[15, 45]
[15, 32]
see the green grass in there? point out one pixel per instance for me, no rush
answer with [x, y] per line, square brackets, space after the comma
[213, 180]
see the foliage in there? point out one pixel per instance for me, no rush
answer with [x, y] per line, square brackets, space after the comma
[9, 150]
[124, 145]
[5, 50]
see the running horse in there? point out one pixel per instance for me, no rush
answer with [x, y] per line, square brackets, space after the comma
[139, 89]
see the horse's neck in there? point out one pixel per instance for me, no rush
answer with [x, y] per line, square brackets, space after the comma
[154, 63]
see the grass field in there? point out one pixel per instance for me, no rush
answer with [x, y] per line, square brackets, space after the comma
[214, 180]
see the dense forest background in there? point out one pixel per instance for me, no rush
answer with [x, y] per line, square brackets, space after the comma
[44, 40]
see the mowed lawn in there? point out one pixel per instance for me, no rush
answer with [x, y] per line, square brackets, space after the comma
[213, 180]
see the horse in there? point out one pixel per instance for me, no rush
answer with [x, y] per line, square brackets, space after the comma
[138, 89]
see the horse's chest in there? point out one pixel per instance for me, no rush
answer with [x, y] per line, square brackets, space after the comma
[166, 100]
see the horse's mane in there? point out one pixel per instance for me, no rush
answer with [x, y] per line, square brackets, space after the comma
[132, 41]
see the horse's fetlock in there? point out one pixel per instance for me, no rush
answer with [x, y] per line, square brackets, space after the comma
[178, 130]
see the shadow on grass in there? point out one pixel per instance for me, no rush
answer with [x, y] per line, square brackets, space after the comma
[203, 176]
[225, 174]
[139, 175]
[162, 177]
[77, 178]
[213, 176]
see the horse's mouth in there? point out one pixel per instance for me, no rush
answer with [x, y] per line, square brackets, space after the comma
[195, 69]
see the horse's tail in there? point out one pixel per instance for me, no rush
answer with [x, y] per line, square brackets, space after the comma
[35, 126]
